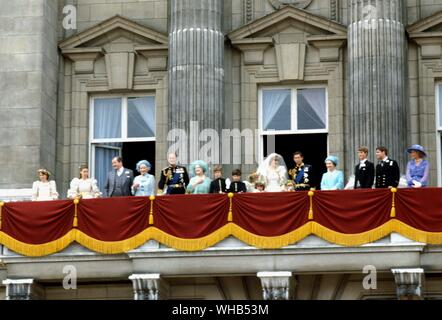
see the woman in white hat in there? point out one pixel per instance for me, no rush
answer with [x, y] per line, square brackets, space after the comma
[418, 167]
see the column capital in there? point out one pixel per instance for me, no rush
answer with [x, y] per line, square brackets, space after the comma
[149, 286]
[408, 283]
[278, 285]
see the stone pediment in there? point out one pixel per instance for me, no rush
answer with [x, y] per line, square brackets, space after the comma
[121, 42]
[427, 33]
[289, 30]
[432, 23]
[288, 17]
[112, 29]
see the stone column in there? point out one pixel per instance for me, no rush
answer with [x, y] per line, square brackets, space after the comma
[408, 283]
[22, 289]
[277, 285]
[377, 102]
[196, 69]
[149, 287]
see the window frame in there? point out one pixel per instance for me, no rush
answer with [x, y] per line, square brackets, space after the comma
[294, 115]
[293, 110]
[438, 132]
[93, 143]
[124, 116]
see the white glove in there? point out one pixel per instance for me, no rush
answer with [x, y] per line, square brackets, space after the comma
[416, 184]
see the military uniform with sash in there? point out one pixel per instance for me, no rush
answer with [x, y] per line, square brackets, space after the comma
[302, 177]
[174, 179]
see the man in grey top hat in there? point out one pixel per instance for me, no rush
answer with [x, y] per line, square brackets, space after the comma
[119, 181]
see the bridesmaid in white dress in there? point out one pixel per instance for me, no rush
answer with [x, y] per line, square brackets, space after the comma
[84, 187]
[44, 190]
[274, 172]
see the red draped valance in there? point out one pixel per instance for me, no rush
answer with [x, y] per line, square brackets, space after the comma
[195, 222]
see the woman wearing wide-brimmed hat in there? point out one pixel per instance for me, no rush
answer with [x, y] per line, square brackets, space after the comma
[418, 167]
[199, 183]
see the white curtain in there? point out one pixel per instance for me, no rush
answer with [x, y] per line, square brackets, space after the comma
[103, 161]
[314, 99]
[273, 100]
[440, 105]
[107, 118]
[141, 117]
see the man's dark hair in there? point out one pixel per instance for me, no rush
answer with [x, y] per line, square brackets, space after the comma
[119, 159]
[236, 172]
[383, 149]
[298, 153]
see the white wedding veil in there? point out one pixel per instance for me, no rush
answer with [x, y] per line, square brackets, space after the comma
[265, 165]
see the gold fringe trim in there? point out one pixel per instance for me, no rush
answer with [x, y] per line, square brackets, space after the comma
[38, 250]
[352, 240]
[153, 234]
[271, 242]
[230, 229]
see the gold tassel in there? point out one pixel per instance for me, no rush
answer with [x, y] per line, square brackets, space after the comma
[1, 208]
[152, 199]
[393, 207]
[310, 212]
[76, 202]
[230, 215]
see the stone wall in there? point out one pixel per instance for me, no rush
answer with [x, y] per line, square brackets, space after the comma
[28, 87]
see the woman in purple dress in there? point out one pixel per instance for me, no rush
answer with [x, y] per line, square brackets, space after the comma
[417, 168]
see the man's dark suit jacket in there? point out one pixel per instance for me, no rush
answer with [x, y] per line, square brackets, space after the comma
[364, 176]
[126, 187]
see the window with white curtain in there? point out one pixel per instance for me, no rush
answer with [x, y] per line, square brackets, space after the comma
[293, 110]
[439, 129]
[114, 121]
[439, 107]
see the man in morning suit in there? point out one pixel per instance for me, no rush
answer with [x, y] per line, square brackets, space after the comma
[119, 181]
[174, 177]
[387, 171]
[301, 174]
[364, 171]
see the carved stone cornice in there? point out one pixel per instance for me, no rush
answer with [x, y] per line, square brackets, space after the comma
[253, 49]
[156, 56]
[83, 58]
[329, 46]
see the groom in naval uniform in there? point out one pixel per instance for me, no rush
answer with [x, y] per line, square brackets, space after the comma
[119, 181]
[302, 174]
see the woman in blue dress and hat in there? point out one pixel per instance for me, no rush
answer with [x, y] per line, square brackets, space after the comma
[418, 168]
[144, 184]
[199, 183]
[333, 179]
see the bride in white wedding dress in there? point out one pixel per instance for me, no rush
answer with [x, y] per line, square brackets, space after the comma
[274, 171]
